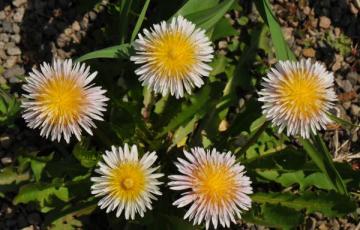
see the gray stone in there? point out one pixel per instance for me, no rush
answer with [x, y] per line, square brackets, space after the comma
[7, 27]
[16, 38]
[2, 54]
[18, 16]
[354, 77]
[6, 160]
[13, 51]
[16, 28]
[14, 72]
[347, 86]
[2, 15]
[347, 105]
[11, 61]
[355, 110]
[4, 37]
[92, 15]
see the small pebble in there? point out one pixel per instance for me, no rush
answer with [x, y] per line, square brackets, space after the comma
[11, 61]
[324, 22]
[5, 141]
[30, 227]
[309, 52]
[18, 3]
[6, 160]
[14, 72]
[7, 27]
[12, 51]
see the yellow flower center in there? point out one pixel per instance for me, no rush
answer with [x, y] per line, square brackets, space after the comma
[127, 181]
[172, 55]
[302, 95]
[216, 184]
[62, 99]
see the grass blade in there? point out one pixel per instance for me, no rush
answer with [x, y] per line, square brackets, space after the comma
[321, 157]
[120, 51]
[140, 20]
[282, 49]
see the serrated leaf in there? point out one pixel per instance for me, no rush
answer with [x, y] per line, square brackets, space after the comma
[42, 194]
[287, 179]
[274, 216]
[330, 204]
[87, 157]
[223, 29]
[8, 176]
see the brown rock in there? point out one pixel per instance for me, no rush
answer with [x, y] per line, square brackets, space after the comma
[288, 33]
[338, 61]
[76, 26]
[309, 52]
[353, 9]
[324, 22]
[307, 10]
[337, 31]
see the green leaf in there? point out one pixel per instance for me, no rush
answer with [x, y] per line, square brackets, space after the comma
[78, 209]
[342, 122]
[38, 164]
[119, 51]
[321, 157]
[180, 135]
[87, 157]
[200, 101]
[140, 20]
[223, 29]
[282, 49]
[193, 6]
[275, 216]
[8, 176]
[287, 179]
[207, 19]
[330, 204]
[42, 194]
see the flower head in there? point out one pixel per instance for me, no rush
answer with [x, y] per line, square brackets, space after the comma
[125, 182]
[297, 96]
[60, 100]
[215, 186]
[173, 56]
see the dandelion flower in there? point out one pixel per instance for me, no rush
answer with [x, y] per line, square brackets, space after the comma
[173, 56]
[297, 96]
[61, 100]
[125, 182]
[215, 186]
